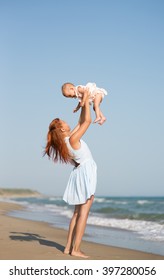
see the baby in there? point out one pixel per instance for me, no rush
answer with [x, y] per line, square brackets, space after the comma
[95, 96]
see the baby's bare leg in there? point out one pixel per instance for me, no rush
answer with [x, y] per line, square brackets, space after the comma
[96, 107]
[100, 118]
[103, 118]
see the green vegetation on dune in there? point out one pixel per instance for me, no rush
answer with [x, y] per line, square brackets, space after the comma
[15, 191]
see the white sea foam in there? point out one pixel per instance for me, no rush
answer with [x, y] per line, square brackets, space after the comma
[120, 202]
[54, 198]
[99, 200]
[144, 202]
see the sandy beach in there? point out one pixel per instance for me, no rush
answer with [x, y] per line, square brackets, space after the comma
[30, 240]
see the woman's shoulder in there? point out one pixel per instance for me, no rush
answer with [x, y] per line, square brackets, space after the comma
[66, 140]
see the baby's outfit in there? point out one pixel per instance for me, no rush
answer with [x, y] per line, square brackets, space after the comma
[83, 178]
[93, 89]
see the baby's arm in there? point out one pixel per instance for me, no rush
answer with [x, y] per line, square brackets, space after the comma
[77, 108]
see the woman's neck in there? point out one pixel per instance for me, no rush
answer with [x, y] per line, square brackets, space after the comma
[66, 134]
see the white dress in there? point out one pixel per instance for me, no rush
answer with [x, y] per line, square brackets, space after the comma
[83, 178]
[93, 90]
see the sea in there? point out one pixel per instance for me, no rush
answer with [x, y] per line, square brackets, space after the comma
[126, 222]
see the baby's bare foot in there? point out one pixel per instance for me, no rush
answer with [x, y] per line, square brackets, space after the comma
[102, 121]
[97, 120]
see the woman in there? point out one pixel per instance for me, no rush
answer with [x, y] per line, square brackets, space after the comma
[68, 147]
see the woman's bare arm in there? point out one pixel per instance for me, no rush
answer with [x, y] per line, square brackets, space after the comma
[84, 95]
[84, 123]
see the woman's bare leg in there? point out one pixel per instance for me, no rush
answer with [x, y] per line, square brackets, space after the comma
[80, 228]
[71, 231]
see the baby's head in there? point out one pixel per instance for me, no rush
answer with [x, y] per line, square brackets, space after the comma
[69, 90]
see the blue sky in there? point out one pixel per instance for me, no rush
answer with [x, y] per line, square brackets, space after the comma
[116, 43]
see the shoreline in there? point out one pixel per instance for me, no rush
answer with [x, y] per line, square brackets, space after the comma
[111, 236]
[22, 239]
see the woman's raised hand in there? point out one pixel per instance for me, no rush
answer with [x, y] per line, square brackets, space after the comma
[86, 92]
[85, 97]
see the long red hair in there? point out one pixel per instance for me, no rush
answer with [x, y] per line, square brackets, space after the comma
[56, 148]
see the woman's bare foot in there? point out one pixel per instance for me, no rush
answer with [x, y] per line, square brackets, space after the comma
[67, 251]
[79, 254]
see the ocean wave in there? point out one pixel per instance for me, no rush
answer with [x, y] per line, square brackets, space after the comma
[106, 200]
[142, 202]
[148, 225]
[147, 229]
[121, 202]
[99, 200]
[54, 198]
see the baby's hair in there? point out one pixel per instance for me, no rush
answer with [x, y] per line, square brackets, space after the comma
[64, 86]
